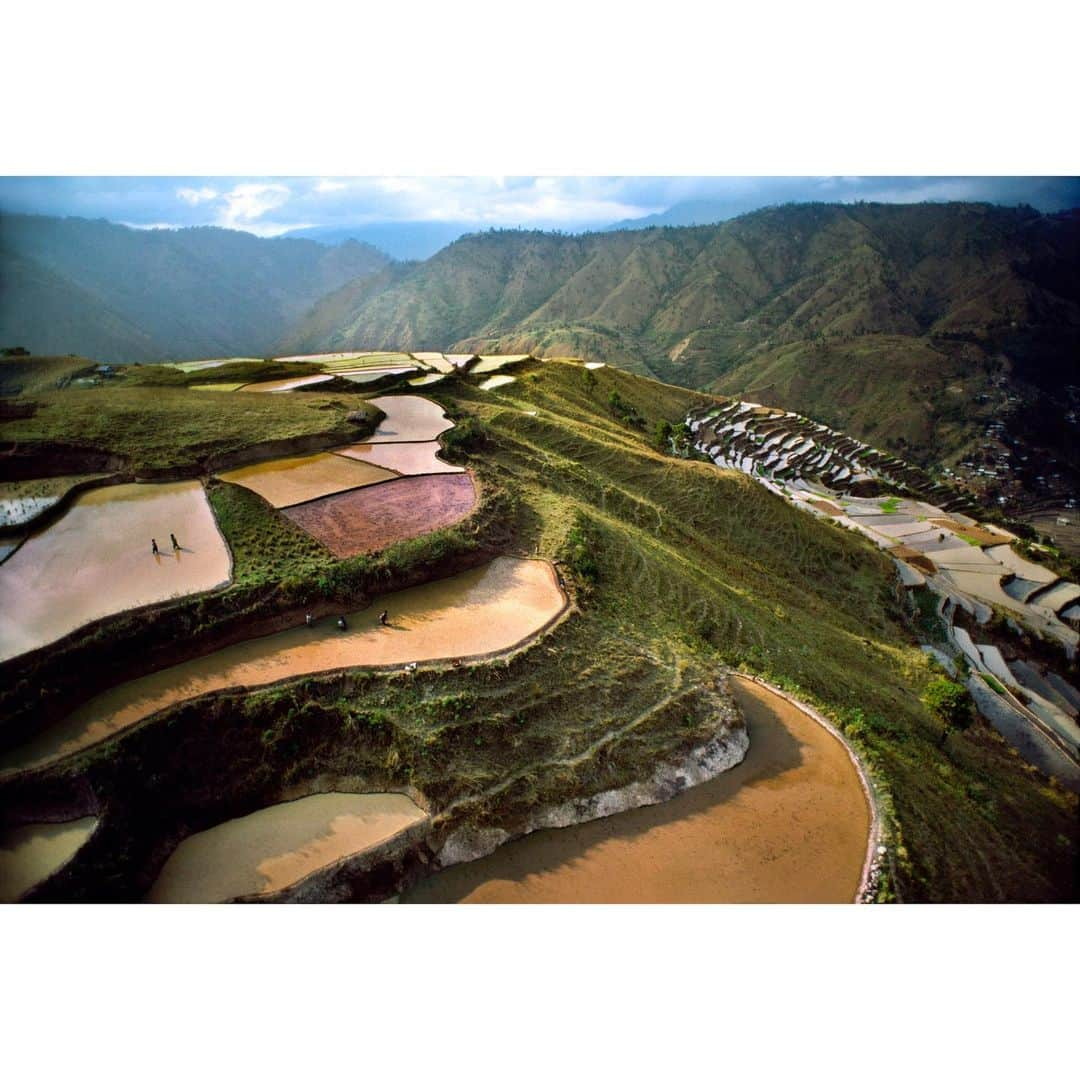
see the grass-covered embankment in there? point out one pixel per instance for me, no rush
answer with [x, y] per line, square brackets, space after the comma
[680, 570]
[160, 428]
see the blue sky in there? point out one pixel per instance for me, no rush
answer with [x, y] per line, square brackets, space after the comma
[268, 206]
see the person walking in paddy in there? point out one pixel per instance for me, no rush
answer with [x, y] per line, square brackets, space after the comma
[175, 542]
[383, 616]
[154, 547]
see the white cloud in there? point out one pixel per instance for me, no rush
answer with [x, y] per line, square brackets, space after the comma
[325, 186]
[246, 203]
[194, 196]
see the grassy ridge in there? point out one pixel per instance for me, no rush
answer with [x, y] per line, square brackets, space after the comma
[161, 427]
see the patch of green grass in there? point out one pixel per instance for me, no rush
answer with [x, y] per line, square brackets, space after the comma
[890, 505]
[160, 427]
[266, 545]
[33, 374]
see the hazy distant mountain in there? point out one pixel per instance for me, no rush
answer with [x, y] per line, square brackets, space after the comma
[115, 293]
[400, 240]
[694, 212]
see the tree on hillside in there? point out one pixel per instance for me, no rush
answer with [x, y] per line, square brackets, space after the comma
[951, 704]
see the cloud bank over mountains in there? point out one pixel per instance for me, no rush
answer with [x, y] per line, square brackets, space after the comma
[270, 206]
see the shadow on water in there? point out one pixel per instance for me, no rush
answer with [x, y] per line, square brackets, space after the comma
[775, 753]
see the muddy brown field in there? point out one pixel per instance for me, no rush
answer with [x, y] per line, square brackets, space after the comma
[790, 824]
[370, 519]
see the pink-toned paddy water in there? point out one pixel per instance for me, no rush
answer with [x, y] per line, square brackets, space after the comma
[487, 610]
[409, 418]
[271, 849]
[407, 458]
[96, 560]
[789, 824]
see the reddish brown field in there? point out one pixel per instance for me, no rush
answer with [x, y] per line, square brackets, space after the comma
[369, 519]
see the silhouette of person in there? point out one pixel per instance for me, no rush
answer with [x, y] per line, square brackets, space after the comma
[153, 546]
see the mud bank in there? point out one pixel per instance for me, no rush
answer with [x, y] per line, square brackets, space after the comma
[789, 823]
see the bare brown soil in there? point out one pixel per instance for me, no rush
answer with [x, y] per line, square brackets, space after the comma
[983, 537]
[826, 507]
[370, 519]
[914, 558]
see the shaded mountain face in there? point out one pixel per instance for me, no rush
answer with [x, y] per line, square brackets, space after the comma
[121, 294]
[911, 324]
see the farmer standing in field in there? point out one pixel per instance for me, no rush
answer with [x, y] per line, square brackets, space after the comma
[175, 542]
[153, 546]
[383, 616]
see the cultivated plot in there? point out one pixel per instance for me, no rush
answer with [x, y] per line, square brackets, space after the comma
[278, 386]
[271, 849]
[96, 560]
[373, 518]
[409, 459]
[29, 854]
[480, 611]
[409, 418]
[288, 481]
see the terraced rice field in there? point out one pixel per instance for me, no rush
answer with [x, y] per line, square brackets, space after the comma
[428, 380]
[409, 418]
[96, 561]
[373, 518]
[409, 459]
[279, 386]
[273, 848]
[288, 481]
[374, 375]
[789, 824]
[487, 364]
[203, 365]
[21, 501]
[496, 381]
[29, 854]
[481, 611]
[224, 387]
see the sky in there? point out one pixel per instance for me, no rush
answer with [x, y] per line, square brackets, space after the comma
[270, 206]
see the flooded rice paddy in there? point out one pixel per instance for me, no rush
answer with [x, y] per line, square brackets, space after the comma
[287, 481]
[487, 610]
[407, 458]
[278, 386]
[373, 518]
[495, 381]
[409, 418]
[273, 848]
[789, 824]
[31, 853]
[96, 560]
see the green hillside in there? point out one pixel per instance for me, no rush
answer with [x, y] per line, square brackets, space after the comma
[127, 295]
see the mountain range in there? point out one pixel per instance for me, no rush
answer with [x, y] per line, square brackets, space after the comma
[136, 295]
